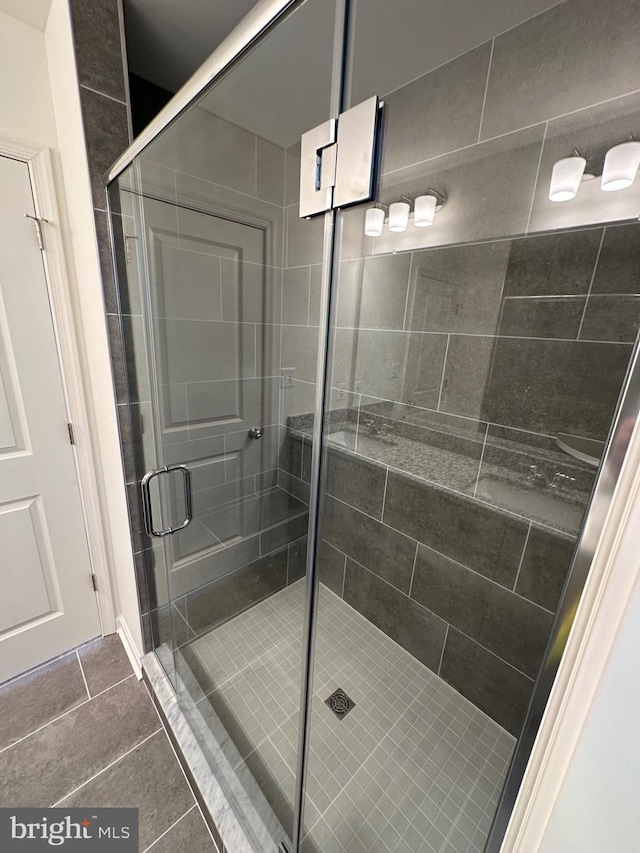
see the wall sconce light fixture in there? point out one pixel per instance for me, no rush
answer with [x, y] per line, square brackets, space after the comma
[399, 216]
[425, 208]
[566, 177]
[374, 222]
[620, 166]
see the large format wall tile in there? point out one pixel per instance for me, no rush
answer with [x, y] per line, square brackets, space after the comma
[542, 316]
[399, 366]
[98, 49]
[497, 688]
[331, 567]
[457, 289]
[417, 630]
[468, 531]
[215, 603]
[611, 317]
[436, 113]
[205, 145]
[299, 351]
[489, 188]
[270, 169]
[355, 481]
[618, 269]
[466, 375]
[295, 296]
[106, 134]
[552, 264]
[545, 566]
[384, 551]
[372, 292]
[305, 238]
[554, 386]
[501, 621]
[578, 53]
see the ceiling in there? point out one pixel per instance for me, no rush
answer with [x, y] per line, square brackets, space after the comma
[167, 40]
[32, 12]
[282, 86]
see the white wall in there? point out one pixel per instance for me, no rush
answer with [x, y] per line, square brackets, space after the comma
[27, 111]
[597, 809]
[40, 104]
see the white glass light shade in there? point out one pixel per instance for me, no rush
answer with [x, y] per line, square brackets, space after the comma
[424, 210]
[374, 222]
[620, 166]
[398, 216]
[566, 177]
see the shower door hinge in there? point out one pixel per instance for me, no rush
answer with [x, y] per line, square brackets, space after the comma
[72, 435]
[37, 221]
[338, 160]
[94, 583]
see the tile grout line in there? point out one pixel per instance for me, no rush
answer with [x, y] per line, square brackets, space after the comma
[512, 132]
[406, 301]
[175, 823]
[65, 714]
[537, 177]
[102, 95]
[384, 492]
[107, 767]
[309, 298]
[486, 88]
[484, 445]
[444, 368]
[83, 675]
[344, 575]
[524, 549]
[413, 569]
[446, 637]
[593, 278]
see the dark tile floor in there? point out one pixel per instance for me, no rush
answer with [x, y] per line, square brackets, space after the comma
[82, 731]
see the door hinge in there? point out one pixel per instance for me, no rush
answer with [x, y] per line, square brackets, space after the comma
[338, 160]
[94, 583]
[72, 435]
[37, 221]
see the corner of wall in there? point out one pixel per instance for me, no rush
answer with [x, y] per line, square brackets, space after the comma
[85, 283]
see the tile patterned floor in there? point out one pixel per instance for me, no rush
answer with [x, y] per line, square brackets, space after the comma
[82, 731]
[413, 768]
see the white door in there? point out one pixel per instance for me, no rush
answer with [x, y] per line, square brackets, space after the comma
[47, 602]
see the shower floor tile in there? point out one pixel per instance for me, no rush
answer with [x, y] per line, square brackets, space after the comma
[413, 768]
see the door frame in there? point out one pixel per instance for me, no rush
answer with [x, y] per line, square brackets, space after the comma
[38, 160]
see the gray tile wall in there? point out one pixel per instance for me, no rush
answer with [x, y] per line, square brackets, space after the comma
[98, 46]
[451, 512]
[209, 306]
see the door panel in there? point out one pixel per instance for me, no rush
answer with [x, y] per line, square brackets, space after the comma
[223, 335]
[48, 603]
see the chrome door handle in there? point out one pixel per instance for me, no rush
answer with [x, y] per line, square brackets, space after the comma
[147, 510]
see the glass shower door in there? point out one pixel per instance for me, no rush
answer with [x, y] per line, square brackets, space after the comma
[480, 337]
[224, 288]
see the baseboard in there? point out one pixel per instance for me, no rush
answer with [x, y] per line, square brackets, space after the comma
[129, 646]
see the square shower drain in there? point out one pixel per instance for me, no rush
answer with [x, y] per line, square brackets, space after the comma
[340, 703]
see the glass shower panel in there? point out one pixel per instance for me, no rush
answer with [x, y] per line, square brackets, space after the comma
[226, 330]
[476, 367]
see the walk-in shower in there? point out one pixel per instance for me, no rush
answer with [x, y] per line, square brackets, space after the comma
[366, 439]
